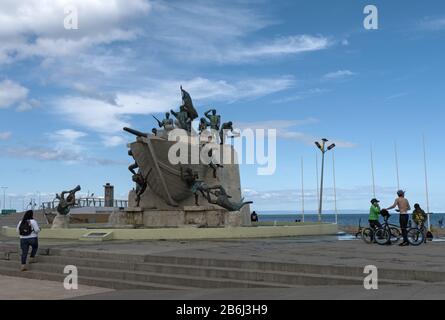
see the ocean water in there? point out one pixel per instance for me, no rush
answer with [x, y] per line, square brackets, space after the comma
[343, 219]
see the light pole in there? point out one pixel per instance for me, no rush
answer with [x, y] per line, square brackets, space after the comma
[323, 149]
[4, 197]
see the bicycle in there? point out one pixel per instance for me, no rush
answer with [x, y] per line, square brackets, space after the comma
[417, 235]
[387, 234]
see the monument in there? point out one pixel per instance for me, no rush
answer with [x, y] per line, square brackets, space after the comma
[184, 178]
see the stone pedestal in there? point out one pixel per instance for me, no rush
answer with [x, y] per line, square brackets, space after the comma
[190, 216]
[61, 222]
[128, 217]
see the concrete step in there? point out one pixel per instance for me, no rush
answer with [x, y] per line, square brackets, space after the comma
[282, 278]
[328, 270]
[13, 270]
[263, 266]
[278, 278]
[150, 277]
[266, 272]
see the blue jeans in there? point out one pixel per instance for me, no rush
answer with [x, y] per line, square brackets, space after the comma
[25, 244]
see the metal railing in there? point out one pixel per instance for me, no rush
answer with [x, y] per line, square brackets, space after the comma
[86, 203]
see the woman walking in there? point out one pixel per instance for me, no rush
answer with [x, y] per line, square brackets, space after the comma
[28, 229]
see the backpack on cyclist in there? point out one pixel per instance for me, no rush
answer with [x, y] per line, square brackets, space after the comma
[25, 228]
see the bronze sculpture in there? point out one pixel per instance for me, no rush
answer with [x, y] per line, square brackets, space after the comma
[65, 204]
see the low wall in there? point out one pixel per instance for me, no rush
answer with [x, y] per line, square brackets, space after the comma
[189, 233]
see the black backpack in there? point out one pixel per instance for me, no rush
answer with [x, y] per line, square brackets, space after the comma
[25, 228]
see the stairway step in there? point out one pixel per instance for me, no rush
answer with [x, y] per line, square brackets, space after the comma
[110, 283]
[278, 277]
[221, 268]
[162, 278]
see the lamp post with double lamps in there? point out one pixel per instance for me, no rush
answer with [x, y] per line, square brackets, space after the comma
[323, 149]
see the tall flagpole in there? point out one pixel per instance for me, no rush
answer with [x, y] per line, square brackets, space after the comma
[302, 186]
[396, 154]
[426, 184]
[335, 188]
[318, 187]
[373, 173]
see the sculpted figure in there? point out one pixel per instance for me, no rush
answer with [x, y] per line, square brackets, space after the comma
[65, 204]
[215, 120]
[183, 121]
[196, 185]
[166, 123]
[226, 127]
[222, 200]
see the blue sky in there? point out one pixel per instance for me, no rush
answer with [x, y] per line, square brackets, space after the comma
[306, 68]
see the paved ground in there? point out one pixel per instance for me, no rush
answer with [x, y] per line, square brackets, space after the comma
[302, 293]
[29, 289]
[308, 250]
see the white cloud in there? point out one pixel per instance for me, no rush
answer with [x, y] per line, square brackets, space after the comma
[106, 117]
[339, 74]
[11, 93]
[286, 130]
[397, 95]
[64, 145]
[277, 47]
[348, 198]
[5, 135]
[113, 141]
[301, 95]
[35, 27]
[433, 24]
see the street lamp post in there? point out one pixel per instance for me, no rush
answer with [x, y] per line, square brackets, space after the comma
[323, 149]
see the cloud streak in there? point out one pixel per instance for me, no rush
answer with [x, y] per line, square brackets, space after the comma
[286, 129]
[105, 117]
[5, 135]
[340, 74]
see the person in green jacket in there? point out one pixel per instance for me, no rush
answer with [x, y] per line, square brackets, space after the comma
[374, 213]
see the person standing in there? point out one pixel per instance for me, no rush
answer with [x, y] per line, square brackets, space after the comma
[374, 213]
[28, 229]
[419, 216]
[403, 205]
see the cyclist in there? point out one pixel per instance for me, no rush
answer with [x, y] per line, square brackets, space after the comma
[374, 213]
[419, 216]
[403, 204]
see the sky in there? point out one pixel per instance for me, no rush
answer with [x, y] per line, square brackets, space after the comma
[308, 69]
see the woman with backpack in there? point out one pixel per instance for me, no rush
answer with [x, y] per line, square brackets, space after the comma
[28, 230]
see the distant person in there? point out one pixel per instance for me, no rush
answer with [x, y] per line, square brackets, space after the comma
[28, 229]
[254, 217]
[403, 205]
[441, 223]
[374, 213]
[419, 216]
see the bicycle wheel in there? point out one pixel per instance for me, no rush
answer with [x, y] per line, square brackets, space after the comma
[382, 236]
[368, 235]
[415, 237]
[396, 235]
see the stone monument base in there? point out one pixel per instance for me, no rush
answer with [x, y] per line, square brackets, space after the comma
[190, 216]
[61, 222]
